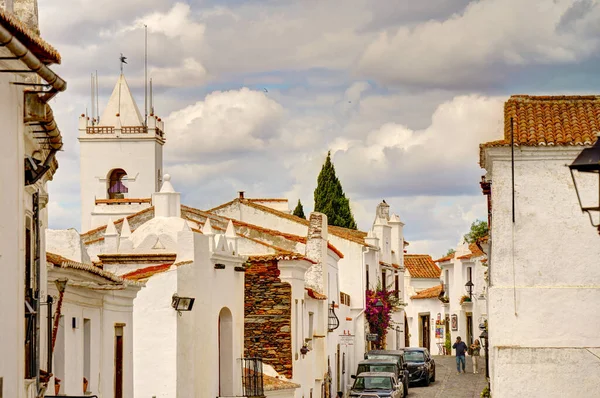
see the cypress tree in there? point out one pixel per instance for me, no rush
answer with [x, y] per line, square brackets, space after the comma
[330, 198]
[299, 210]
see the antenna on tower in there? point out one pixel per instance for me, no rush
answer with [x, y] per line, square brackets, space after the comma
[97, 106]
[145, 75]
[92, 87]
[151, 99]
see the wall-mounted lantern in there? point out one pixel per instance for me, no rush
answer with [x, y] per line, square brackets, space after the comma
[585, 171]
[182, 303]
[469, 288]
[304, 350]
[333, 321]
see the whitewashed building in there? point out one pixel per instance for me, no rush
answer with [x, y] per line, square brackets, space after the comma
[368, 260]
[422, 288]
[544, 263]
[464, 311]
[92, 330]
[30, 140]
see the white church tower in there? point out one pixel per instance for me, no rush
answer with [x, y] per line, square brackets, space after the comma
[120, 159]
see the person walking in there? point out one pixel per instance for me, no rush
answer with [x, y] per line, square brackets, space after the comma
[461, 349]
[476, 347]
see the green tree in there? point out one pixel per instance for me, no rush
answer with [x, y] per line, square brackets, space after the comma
[479, 229]
[330, 198]
[450, 251]
[299, 210]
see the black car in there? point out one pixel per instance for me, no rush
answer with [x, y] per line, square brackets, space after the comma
[384, 365]
[421, 366]
[396, 355]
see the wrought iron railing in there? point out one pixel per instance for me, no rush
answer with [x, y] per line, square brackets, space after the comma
[100, 130]
[252, 377]
[134, 130]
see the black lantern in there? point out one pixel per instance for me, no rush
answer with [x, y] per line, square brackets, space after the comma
[182, 303]
[333, 322]
[469, 288]
[585, 171]
[484, 341]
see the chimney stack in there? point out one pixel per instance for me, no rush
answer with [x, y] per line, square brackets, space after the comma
[241, 194]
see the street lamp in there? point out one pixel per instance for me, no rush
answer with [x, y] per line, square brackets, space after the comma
[585, 171]
[484, 341]
[469, 287]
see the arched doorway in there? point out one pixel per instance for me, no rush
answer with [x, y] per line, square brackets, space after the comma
[116, 185]
[225, 352]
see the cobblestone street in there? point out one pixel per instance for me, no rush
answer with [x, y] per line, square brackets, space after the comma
[449, 384]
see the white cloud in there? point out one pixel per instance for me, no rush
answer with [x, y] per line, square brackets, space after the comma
[227, 121]
[472, 47]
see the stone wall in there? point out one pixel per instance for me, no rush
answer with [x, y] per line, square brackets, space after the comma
[268, 316]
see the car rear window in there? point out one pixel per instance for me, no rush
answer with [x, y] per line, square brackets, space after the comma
[414, 356]
[376, 368]
[364, 383]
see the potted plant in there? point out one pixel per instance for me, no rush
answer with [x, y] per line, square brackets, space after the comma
[465, 299]
[444, 299]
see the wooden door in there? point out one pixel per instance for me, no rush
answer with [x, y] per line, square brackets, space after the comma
[118, 362]
[469, 329]
[425, 331]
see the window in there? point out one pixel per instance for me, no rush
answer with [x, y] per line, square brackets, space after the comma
[397, 286]
[367, 278]
[116, 187]
[383, 280]
[310, 325]
[298, 345]
[469, 274]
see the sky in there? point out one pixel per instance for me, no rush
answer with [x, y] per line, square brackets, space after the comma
[255, 93]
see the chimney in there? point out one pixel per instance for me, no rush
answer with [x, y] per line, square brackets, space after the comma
[241, 194]
[27, 12]
[167, 202]
[316, 250]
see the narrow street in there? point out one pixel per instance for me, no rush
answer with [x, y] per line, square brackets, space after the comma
[449, 384]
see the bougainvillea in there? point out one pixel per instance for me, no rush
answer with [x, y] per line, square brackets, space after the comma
[380, 317]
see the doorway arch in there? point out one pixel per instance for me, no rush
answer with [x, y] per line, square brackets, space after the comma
[226, 359]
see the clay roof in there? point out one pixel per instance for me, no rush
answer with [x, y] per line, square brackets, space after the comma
[267, 200]
[122, 201]
[432, 292]
[314, 294]
[30, 39]
[281, 255]
[445, 258]
[421, 266]
[64, 262]
[475, 252]
[147, 272]
[549, 121]
[344, 233]
[274, 384]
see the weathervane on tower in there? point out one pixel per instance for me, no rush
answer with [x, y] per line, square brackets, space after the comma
[123, 61]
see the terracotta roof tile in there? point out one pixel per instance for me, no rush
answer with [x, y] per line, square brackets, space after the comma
[64, 262]
[147, 272]
[445, 258]
[432, 292]
[281, 255]
[421, 266]
[549, 121]
[30, 39]
[314, 294]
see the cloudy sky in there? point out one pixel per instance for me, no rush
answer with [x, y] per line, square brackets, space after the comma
[254, 94]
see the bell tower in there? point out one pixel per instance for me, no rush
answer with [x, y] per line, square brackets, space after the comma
[120, 159]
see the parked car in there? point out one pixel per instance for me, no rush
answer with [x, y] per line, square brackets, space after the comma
[387, 364]
[421, 366]
[396, 355]
[382, 384]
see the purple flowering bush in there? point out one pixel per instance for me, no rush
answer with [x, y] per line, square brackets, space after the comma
[380, 318]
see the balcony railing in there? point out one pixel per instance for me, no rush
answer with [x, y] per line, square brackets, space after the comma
[100, 130]
[252, 377]
[134, 130]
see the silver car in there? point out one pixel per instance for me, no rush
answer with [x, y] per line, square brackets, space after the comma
[376, 384]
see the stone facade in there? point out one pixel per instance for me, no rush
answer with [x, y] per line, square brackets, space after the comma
[268, 316]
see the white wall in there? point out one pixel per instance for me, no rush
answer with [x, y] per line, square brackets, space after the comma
[543, 290]
[11, 237]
